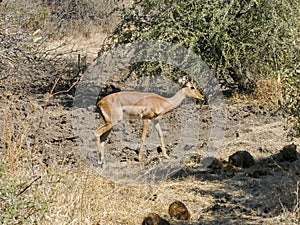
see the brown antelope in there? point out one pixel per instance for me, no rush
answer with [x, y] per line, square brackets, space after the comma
[140, 105]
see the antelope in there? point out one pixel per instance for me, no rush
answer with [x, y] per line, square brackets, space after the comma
[140, 105]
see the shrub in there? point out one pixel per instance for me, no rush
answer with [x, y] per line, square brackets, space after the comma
[75, 15]
[241, 40]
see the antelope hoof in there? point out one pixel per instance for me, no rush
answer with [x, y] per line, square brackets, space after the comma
[100, 164]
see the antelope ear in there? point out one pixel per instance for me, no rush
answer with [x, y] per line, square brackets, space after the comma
[183, 80]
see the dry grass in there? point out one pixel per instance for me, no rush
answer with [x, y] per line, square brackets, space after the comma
[64, 195]
[268, 92]
[289, 216]
[80, 196]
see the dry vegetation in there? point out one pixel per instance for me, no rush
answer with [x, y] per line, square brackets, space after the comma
[44, 180]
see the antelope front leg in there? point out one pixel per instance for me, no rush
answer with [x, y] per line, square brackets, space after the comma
[162, 141]
[100, 136]
[100, 148]
[146, 123]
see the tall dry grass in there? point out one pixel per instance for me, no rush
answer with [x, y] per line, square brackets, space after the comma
[59, 194]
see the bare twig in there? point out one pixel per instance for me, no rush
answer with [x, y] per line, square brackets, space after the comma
[43, 114]
[66, 91]
[29, 185]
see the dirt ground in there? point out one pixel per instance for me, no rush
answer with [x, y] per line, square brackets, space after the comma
[265, 193]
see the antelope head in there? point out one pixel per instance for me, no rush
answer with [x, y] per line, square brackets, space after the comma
[190, 88]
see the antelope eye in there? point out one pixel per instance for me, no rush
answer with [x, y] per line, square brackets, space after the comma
[192, 87]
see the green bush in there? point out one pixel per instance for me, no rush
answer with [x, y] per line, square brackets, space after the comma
[241, 40]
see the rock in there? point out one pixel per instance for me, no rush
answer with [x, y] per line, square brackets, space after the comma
[154, 219]
[241, 159]
[287, 154]
[178, 210]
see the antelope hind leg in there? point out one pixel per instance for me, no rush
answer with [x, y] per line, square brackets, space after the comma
[146, 123]
[162, 141]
